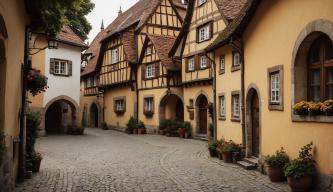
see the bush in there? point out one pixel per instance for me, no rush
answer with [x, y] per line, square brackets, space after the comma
[33, 121]
[163, 124]
[140, 125]
[131, 124]
[303, 165]
[212, 144]
[280, 159]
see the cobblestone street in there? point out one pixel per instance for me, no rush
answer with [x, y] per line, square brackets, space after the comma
[113, 161]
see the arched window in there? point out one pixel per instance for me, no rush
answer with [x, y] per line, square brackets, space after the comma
[320, 69]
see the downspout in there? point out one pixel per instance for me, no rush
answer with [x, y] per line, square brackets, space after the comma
[21, 163]
[214, 96]
[241, 51]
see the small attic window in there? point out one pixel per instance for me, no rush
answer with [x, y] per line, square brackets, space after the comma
[201, 2]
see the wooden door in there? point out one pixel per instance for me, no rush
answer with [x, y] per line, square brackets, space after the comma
[202, 115]
[255, 125]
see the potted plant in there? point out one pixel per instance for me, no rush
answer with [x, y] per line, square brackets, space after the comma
[275, 164]
[212, 145]
[181, 130]
[219, 148]
[226, 150]
[131, 124]
[327, 107]
[36, 82]
[300, 171]
[141, 127]
[314, 108]
[188, 128]
[301, 108]
[162, 126]
[135, 129]
[36, 160]
[236, 152]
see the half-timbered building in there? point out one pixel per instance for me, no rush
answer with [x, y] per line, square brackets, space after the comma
[137, 43]
[204, 21]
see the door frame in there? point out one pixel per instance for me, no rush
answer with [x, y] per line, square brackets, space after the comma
[248, 133]
[197, 111]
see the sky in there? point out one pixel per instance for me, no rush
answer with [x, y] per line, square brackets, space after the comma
[108, 11]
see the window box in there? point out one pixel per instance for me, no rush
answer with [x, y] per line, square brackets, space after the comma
[275, 88]
[313, 112]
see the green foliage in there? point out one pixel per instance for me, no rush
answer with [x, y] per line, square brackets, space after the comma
[188, 127]
[163, 124]
[131, 124]
[212, 144]
[36, 156]
[140, 125]
[33, 121]
[280, 159]
[303, 165]
[36, 82]
[56, 13]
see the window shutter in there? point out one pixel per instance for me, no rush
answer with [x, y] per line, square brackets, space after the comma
[157, 69]
[196, 62]
[211, 29]
[70, 68]
[52, 63]
[209, 62]
[186, 65]
[143, 71]
[197, 35]
[124, 105]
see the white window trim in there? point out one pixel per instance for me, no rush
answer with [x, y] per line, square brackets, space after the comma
[191, 64]
[114, 55]
[149, 104]
[150, 71]
[222, 63]
[222, 106]
[149, 50]
[203, 62]
[275, 88]
[57, 67]
[235, 106]
[120, 105]
[204, 32]
[237, 60]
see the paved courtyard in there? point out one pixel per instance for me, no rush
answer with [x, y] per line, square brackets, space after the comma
[113, 161]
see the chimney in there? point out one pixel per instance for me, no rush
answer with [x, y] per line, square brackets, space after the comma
[102, 25]
[120, 11]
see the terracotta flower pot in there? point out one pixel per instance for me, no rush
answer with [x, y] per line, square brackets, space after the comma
[302, 184]
[36, 165]
[219, 155]
[227, 157]
[275, 173]
[181, 132]
[212, 152]
[135, 131]
[142, 131]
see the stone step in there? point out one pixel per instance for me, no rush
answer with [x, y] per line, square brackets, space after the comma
[247, 165]
[252, 160]
[201, 137]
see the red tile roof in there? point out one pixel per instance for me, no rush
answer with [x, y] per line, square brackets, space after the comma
[68, 36]
[230, 8]
[163, 45]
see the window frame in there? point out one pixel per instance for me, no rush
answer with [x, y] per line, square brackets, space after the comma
[200, 60]
[222, 116]
[116, 101]
[276, 70]
[150, 71]
[201, 2]
[149, 47]
[148, 112]
[234, 117]
[233, 66]
[222, 70]
[209, 32]
[55, 67]
[115, 60]
[188, 64]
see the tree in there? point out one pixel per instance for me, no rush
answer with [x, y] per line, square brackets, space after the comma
[57, 13]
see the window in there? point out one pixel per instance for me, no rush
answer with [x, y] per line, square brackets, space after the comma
[222, 64]
[236, 61]
[275, 82]
[60, 67]
[320, 70]
[148, 105]
[119, 104]
[203, 62]
[191, 64]
[235, 106]
[149, 50]
[150, 71]
[201, 2]
[114, 55]
[221, 106]
[204, 33]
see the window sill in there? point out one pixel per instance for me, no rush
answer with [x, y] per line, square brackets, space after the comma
[148, 113]
[235, 68]
[204, 40]
[221, 72]
[119, 112]
[235, 119]
[316, 118]
[222, 118]
[275, 107]
[61, 75]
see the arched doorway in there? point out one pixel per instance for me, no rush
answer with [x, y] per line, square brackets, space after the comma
[94, 115]
[60, 115]
[202, 114]
[253, 123]
[172, 107]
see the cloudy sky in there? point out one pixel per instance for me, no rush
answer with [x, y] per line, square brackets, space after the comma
[108, 11]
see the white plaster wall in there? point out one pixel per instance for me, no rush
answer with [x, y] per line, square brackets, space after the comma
[60, 85]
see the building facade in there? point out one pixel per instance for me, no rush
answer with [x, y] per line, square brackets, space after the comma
[59, 104]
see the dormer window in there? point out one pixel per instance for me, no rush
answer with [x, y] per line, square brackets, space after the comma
[201, 2]
[149, 50]
[114, 55]
[204, 32]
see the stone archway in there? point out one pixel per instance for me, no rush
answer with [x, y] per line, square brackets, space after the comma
[171, 107]
[253, 122]
[201, 109]
[66, 111]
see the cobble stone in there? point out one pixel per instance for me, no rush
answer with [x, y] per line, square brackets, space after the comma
[112, 161]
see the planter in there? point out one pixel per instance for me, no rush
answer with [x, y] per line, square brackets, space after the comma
[302, 184]
[315, 113]
[181, 132]
[275, 173]
[36, 165]
[212, 152]
[303, 112]
[227, 157]
[135, 131]
[219, 155]
[235, 157]
[142, 131]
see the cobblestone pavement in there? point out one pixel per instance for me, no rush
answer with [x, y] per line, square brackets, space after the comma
[113, 161]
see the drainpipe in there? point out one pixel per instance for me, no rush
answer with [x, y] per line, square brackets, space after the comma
[214, 96]
[21, 163]
[240, 48]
